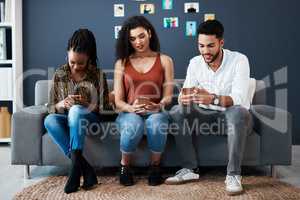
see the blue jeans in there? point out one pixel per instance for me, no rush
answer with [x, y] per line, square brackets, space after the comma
[131, 127]
[68, 130]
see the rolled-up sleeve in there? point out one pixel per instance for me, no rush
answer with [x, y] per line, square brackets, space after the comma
[240, 84]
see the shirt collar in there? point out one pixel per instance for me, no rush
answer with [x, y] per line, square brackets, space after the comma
[222, 62]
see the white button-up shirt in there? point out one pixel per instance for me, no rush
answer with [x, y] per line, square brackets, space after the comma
[231, 79]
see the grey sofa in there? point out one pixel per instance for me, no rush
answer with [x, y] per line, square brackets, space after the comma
[31, 145]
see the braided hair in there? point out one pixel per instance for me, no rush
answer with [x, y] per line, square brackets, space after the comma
[83, 41]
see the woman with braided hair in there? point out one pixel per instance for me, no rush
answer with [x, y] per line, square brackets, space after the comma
[78, 94]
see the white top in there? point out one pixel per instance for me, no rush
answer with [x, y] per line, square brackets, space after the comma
[231, 79]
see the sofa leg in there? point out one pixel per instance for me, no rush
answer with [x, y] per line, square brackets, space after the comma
[27, 172]
[273, 171]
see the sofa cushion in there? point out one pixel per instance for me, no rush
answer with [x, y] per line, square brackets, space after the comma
[42, 88]
[260, 96]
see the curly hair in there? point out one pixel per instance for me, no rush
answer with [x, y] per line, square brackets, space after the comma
[123, 46]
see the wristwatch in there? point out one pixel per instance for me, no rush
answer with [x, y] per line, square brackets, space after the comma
[216, 100]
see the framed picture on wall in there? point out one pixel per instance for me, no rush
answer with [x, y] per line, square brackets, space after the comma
[191, 7]
[209, 16]
[119, 10]
[190, 28]
[147, 8]
[171, 22]
[117, 29]
[167, 4]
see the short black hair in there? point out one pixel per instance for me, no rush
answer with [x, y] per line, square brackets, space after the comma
[123, 45]
[83, 41]
[211, 27]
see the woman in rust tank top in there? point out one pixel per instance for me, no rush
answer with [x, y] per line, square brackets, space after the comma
[143, 86]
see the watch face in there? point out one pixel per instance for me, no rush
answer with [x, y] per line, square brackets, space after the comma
[216, 101]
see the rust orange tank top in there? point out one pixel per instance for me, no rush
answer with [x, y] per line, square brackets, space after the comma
[149, 84]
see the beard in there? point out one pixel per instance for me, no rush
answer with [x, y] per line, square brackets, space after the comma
[214, 57]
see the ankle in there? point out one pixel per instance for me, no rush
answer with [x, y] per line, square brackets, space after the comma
[124, 163]
[125, 169]
[73, 181]
[126, 175]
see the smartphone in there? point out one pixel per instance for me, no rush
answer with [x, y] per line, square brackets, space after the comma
[188, 91]
[76, 98]
[143, 100]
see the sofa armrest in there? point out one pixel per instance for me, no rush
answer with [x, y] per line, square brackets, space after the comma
[274, 125]
[27, 131]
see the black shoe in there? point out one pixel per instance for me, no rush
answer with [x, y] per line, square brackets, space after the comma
[73, 182]
[89, 175]
[126, 176]
[155, 177]
[197, 170]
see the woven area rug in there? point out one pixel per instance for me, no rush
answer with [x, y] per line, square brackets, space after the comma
[209, 187]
